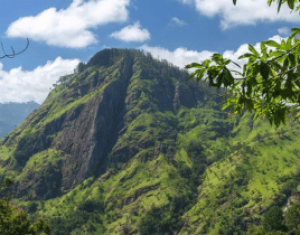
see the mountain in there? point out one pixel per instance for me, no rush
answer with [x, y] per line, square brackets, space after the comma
[12, 114]
[124, 146]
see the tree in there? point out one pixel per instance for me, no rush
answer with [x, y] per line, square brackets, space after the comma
[14, 54]
[80, 68]
[268, 80]
[292, 218]
[273, 220]
[255, 230]
[14, 221]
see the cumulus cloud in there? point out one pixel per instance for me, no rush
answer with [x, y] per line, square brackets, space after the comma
[284, 31]
[18, 85]
[132, 33]
[182, 56]
[70, 27]
[179, 57]
[178, 22]
[246, 12]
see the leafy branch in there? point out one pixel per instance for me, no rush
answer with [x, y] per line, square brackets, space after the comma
[268, 79]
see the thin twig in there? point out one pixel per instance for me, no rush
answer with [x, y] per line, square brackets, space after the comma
[14, 54]
[287, 52]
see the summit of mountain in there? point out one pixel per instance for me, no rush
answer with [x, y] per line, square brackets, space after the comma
[125, 139]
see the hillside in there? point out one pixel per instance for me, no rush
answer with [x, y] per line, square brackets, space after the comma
[126, 147]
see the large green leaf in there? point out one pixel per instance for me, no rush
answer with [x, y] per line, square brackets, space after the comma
[263, 49]
[276, 53]
[275, 65]
[246, 55]
[295, 107]
[272, 43]
[288, 44]
[286, 62]
[227, 62]
[291, 4]
[252, 49]
[193, 65]
[269, 2]
[264, 71]
[256, 69]
[220, 79]
[206, 63]
[200, 74]
[292, 59]
[228, 77]
[218, 59]
[279, 5]
[295, 31]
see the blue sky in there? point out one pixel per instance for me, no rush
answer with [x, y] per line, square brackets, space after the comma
[64, 32]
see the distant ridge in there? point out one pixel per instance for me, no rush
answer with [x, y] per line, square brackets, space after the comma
[12, 114]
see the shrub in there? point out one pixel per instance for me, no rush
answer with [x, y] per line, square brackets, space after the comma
[273, 220]
[32, 207]
[292, 217]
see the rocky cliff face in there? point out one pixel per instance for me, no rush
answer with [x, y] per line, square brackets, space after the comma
[126, 147]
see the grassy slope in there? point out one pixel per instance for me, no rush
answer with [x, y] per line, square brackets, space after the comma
[222, 196]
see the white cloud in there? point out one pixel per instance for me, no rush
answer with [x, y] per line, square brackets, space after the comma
[182, 56]
[178, 22]
[186, 1]
[132, 33]
[69, 27]
[179, 57]
[18, 85]
[284, 31]
[246, 12]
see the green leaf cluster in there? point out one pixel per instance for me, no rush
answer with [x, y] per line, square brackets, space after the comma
[268, 81]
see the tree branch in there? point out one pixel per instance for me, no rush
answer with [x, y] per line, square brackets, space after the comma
[298, 65]
[14, 54]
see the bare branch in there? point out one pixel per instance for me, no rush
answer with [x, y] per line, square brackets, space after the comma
[14, 54]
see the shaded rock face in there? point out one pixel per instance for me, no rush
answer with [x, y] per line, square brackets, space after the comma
[90, 130]
[94, 132]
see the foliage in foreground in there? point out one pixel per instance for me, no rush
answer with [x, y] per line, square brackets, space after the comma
[14, 221]
[267, 81]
